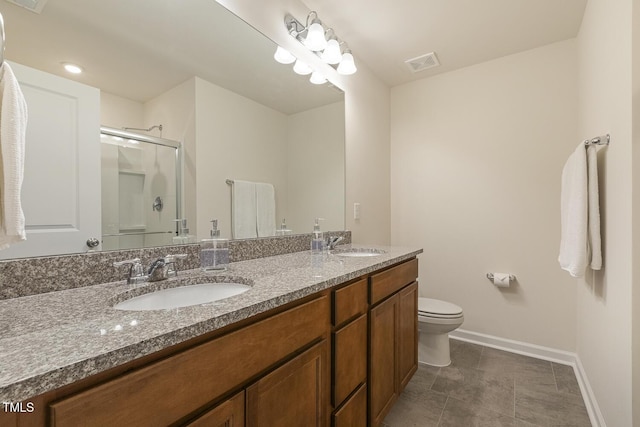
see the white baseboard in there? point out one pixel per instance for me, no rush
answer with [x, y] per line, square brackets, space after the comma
[544, 353]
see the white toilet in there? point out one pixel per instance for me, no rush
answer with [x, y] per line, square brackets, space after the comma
[435, 320]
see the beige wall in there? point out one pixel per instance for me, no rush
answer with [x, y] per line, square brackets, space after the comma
[635, 310]
[246, 146]
[315, 168]
[367, 121]
[604, 299]
[117, 112]
[476, 161]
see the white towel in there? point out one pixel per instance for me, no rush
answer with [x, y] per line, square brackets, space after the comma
[243, 210]
[13, 127]
[594, 209]
[579, 229]
[265, 209]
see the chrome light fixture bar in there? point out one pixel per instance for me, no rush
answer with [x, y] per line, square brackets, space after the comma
[323, 42]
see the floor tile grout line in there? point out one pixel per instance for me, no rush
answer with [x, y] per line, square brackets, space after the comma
[555, 379]
[442, 411]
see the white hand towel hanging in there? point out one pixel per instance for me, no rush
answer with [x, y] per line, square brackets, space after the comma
[265, 209]
[243, 209]
[580, 213]
[13, 127]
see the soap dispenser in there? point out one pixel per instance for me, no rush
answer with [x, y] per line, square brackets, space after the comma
[317, 240]
[183, 233]
[214, 252]
[283, 230]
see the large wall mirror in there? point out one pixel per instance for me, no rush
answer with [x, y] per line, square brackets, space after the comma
[199, 71]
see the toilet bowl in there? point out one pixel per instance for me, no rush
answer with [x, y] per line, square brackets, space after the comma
[435, 320]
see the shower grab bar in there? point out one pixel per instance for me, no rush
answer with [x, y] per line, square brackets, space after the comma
[598, 140]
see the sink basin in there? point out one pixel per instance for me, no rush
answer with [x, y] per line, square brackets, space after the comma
[358, 252]
[183, 296]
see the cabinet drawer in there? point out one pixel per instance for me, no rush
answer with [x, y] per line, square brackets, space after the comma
[354, 411]
[392, 280]
[350, 359]
[183, 383]
[349, 302]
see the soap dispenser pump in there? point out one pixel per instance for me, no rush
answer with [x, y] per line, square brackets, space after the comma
[317, 240]
[183, 233]
[214, 252]
[283, 230]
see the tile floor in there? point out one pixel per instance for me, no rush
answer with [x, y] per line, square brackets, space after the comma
[488, 387]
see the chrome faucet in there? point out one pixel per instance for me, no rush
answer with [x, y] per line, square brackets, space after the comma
[136, 271]
[332, 242]
[165, 267]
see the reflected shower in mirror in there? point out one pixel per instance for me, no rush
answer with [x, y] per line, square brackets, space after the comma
[212, 82]
[140, 180]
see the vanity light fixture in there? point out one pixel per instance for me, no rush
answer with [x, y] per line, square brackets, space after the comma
[323, 42]
[302, 68]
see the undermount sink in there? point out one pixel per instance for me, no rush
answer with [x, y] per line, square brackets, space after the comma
[183, 296]
[358, 252]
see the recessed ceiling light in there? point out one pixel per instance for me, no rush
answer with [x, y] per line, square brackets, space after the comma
[72, 68]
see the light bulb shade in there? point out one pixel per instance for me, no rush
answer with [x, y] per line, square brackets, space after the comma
[301, 68]
[317, 78]
[315, 39]
[332, 54]
[283, 56]
[347, 65]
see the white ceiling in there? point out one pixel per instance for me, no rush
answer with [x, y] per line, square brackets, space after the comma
[385, 33]
[139, 49]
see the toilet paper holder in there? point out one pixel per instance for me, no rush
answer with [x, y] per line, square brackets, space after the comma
[511, 277]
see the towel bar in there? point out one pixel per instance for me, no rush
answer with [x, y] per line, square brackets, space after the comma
[511, 277]
[598, 140]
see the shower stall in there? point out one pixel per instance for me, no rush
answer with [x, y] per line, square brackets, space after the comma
[141, 182]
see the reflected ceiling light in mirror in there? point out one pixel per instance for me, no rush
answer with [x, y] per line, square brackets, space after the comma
[301, 68]
[317, 78]
[72, 68]
[323, 42]
[283, 56]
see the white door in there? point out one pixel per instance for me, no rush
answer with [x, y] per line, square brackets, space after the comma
[61, 188]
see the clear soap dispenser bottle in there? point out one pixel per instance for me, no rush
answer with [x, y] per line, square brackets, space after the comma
[183, 233]
[317, 240]
[214, 252]
[283, 230]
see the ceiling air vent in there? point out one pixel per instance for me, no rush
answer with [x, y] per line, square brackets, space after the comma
[423, 62]
[32, 5]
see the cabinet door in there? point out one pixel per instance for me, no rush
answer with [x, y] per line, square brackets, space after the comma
[383, 359]
[295, 394]
[230, 413]
[349, 359]
[354, 412]
[407, 334]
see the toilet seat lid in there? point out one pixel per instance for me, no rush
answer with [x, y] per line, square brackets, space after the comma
[436, 306]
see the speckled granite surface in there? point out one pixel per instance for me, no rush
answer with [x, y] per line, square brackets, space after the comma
[53, 339]
[32, 276]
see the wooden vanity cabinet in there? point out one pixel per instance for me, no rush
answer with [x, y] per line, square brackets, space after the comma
[349, 335]
[339, 358]
[167, 391]
[393, 336]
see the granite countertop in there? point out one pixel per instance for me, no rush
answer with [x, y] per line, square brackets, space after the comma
[53, 339]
